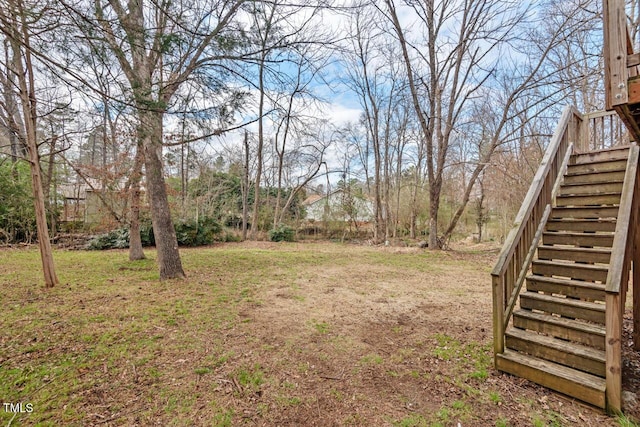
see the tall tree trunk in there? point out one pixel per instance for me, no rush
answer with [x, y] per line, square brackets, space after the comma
[245, 187]
[150, 137]
[26, 86]
[433, 225]
[135, 240]
[259, 152]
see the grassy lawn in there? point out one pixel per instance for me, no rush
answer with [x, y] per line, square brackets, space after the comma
[262, 334]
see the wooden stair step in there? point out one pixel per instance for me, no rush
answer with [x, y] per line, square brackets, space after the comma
[581, 212]
[589, 334]
[591, 188]
[596, 167]
[614, 153]
[567, 287]
[580, 385]
[593, 178]
[577, 239]
[566, 353]
[572, 253]
[588, 200]
[591, 225]
[566, 307]
[589, 272]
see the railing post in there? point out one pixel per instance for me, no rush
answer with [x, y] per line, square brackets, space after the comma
[498, 287]
[582, 146]
[615, 53]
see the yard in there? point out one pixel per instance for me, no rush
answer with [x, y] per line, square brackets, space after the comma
[264, 334]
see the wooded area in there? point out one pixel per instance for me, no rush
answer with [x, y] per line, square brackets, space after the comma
[153, 113]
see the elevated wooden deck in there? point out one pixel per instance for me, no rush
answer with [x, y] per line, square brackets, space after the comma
[622, 80]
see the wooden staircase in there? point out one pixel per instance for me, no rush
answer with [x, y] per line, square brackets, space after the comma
[560, 283]
[557, 337]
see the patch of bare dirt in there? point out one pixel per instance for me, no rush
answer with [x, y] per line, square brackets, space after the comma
[360, 344]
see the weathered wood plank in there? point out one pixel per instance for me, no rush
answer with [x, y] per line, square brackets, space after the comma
[636, 268]
[612, 176]
[577, 239]
[582, 225]
[614, 153]
[498, 299]
[576, 309]
[614, 352]
[588, 200]
[586, 387]
[572, 270]
[571, 288]
[615, 53]
[597, 212]
[591, 188]
[621, 243]
[589, 255]
[597, 167]
[566, 353]
[589, 334]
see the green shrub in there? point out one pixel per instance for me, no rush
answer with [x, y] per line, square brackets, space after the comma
[282, 233]
[115, 239]
[188, 233]
[192, 233]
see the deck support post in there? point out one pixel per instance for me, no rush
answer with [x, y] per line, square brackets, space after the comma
[615, 53]
[613, 345]
[636, 299]
[636, 269]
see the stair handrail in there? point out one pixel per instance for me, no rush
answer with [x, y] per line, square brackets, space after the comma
[618, 278]
[518, 243]
[620, 249]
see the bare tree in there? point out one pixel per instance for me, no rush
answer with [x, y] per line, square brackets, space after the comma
[16, 27]
[458, 58]
[159, 47]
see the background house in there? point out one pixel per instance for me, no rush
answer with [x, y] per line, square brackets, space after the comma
[339, 205]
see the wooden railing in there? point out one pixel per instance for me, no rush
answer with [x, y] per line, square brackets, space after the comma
[513, 261]
[601, 130]
[622, 253]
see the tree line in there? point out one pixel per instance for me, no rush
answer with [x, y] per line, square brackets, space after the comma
[456, 100]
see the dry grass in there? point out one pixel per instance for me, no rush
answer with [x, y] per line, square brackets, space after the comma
[263, 334]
